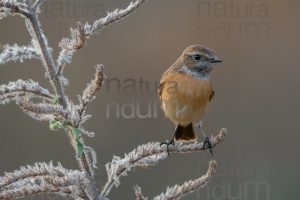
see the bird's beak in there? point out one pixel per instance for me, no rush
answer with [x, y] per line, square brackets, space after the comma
[215, 60]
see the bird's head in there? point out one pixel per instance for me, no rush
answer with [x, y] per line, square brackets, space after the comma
[198, 59]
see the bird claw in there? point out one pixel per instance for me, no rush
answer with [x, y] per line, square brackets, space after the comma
[168, 143]
[207, 144]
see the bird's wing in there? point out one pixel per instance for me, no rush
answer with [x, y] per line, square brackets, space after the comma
[162, 83]
[160, 87]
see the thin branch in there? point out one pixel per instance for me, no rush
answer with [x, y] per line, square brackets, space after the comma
[35, 30]
[93, 154]
[43, 108]
[38, 3]
[43, 178]
[83, 31]
[41, 111]
[138, 193]
[87, 167]
[148, 155]
[87, 133]
[77, 39]
[112, 17]
[20, 88]
[64, 58]
[86, 164]
[9, 7]
[69, 46]
[26, 191]
[90, 92]
[15, 52]
[39, 169]
[176, 192]
[91, 89]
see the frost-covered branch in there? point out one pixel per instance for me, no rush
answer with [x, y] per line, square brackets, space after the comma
[13, 7]
[28, 190]
[83, 31]
[138, 193]
[90, 91]
[20, 88]
[38, 169]
[111, 17]
[41, 111]
[15, 53]
[69, 45]
[42, 178]
[148, 155]
[38, 3]
[35, 30]
[57, 81]
[178, 191]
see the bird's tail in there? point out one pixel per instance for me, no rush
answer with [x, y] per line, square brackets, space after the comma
[185, 133]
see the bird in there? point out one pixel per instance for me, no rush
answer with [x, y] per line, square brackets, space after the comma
[185, 91]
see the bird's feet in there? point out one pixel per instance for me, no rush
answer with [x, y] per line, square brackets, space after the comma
[168, 143]
[207, 144]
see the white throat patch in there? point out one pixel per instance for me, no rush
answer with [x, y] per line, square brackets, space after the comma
[198, 75]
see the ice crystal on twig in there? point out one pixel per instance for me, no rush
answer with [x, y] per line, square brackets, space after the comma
[20, 88]
[178, 191]
[15, 52]
[138, 193]
[148, 155]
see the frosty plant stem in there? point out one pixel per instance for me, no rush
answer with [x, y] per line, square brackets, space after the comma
[47, 58]
[35, 30]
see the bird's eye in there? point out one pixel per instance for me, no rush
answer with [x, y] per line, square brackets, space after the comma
[197, 57]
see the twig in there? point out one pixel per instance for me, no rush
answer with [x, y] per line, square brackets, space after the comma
[38, 3]
[20, 88]
[35, 30]
[176, 192]
[41, 111]
[13, 8]
[42, 178]
[26, 191]
[149, 155]
[138, 193]
[15, 52]
[90, 92]
[112, 17]
[83, 31]
[39, 169]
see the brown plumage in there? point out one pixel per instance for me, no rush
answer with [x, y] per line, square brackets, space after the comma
[185, 90]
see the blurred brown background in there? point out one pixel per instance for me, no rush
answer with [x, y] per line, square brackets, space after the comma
[257, 93]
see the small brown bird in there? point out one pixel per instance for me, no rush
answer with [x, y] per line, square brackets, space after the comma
[185, 91]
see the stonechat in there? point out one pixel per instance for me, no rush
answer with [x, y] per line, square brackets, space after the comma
[185, 91]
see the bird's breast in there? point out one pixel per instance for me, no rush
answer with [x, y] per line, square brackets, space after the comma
[185, 98]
